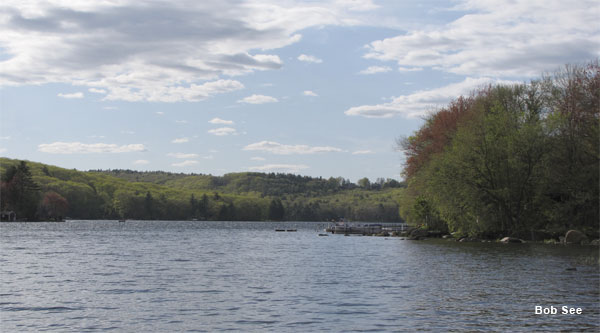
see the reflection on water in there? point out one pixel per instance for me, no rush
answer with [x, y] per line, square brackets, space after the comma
[244, 276]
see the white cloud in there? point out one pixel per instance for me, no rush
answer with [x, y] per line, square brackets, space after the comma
[410, 69]
[85, 148]
[160, 113]
[358, 5]
[310, 93]
[257, 158]
[421, 102]
[180, 140]
[141, 162]
[110, 108]
[2, 150]
[222, 131]
[221, 121]
[375, 69]
[182, 155]
[280, 149]
[128, 132]
[497, 38]
[288, 168]
[76, 95]
[185, 163]
[120, 46]
[4, 137]
[309, 58]
[181, 121]
[258, 99]
[208, 157]
[173, 93]
[97, 91]
[362, 152]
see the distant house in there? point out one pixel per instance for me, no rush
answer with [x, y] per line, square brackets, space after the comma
[8, 216]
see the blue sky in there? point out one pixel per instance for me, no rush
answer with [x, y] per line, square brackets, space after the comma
[319, 88]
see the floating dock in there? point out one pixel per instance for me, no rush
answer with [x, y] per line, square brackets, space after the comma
[366, 229]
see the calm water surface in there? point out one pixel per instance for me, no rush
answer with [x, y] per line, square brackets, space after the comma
[243, 276]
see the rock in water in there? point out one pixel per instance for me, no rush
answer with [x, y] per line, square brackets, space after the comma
[418, 234]
[511, 240]
[469, 240]
[575, 237]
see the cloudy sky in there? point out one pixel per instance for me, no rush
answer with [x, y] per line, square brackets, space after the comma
[319, 88]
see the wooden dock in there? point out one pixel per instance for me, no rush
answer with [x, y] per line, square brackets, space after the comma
[366, 229]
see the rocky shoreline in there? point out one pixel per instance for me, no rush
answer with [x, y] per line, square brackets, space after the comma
[570, 237]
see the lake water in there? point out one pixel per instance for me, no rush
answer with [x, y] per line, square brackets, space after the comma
[156, 276]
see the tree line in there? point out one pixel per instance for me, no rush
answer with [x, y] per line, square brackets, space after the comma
[509, 159]
[37, 191]
[265, 184]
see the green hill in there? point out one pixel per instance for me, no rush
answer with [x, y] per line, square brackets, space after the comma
[265, 184]
[248, 196]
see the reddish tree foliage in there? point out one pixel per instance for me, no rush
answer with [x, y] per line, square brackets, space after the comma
[579, 93]
[435, 135]
[55, 205]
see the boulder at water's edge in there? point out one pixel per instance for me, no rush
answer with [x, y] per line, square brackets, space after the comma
[575, 237]
[417, 234]
[511, 240]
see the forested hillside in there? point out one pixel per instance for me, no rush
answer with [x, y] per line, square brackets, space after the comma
[270, 184]
[39, 191]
